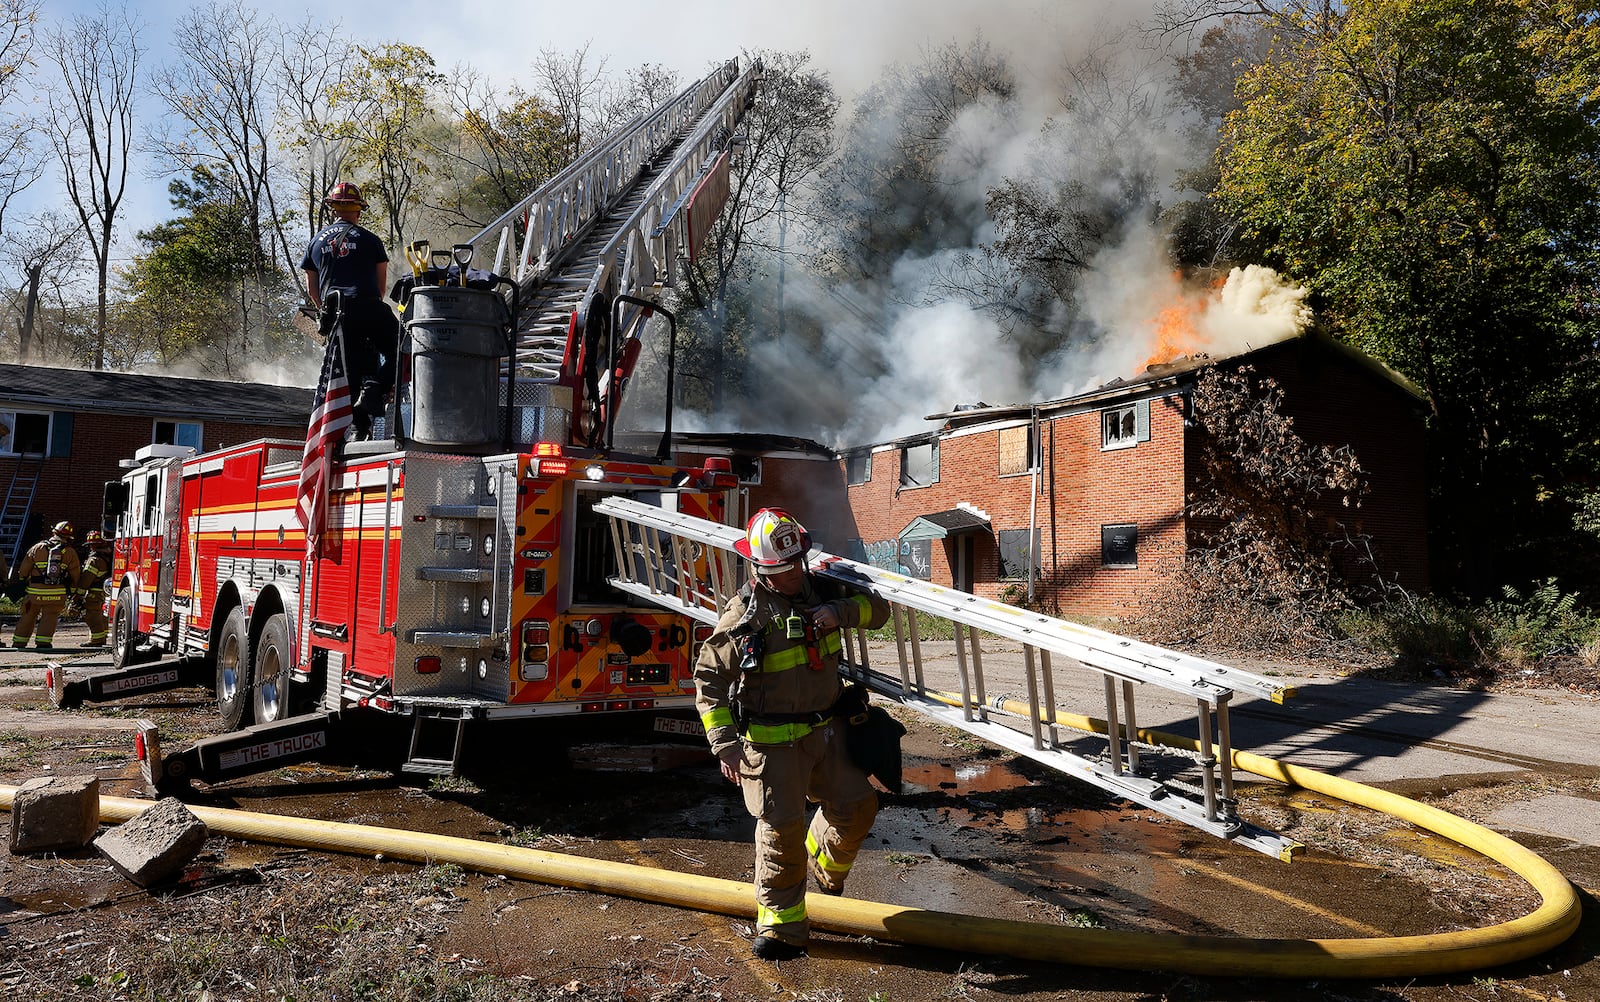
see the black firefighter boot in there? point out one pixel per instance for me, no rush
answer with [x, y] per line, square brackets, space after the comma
[368, 405]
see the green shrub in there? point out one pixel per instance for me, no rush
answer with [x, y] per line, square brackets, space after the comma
[1428, 630]
[1543, 623]
[1513, 631]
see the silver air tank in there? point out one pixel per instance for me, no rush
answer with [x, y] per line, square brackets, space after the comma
[456, 338]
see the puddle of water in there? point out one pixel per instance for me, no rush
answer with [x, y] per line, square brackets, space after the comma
[85, 891]
[975, 777]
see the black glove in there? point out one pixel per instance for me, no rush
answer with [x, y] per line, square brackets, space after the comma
[14, 590]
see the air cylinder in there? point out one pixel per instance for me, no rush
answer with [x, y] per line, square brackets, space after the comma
[456, 338]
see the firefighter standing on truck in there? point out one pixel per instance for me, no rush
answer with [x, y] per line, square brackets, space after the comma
[766, 685]
[351, 260]
[91, 586]
[49, 569]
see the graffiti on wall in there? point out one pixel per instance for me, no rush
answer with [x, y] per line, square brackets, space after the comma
[911, 557]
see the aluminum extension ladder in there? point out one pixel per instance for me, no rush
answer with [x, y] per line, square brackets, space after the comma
[688, 565]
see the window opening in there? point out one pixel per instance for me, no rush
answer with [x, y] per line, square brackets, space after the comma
[858, 468]
[919, 465]
[178, 433]
[1016, 554]
[24, 432]
[1118, 428]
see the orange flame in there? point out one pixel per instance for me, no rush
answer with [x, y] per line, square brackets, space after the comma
[1176, 328]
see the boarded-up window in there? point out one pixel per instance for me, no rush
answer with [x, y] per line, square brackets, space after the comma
[916, 557]
[1016, 554]
[1119, 546]
[1016, 450]
[919, 465]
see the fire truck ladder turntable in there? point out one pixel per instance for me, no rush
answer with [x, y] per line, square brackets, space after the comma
[653, 548]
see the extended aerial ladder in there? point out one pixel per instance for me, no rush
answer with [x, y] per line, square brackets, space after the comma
[689, 565]
[592, 250]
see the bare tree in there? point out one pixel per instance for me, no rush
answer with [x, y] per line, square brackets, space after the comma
[19, 162]
[43, 257]
[576, 84]
[311, 65]
[645, 87]
[91, 129]
[788, 133]
[220, 109]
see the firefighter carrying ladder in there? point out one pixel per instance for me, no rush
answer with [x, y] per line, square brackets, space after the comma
[688, 565]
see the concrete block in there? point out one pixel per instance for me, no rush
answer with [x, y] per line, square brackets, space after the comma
[55, 814]
[154, 846]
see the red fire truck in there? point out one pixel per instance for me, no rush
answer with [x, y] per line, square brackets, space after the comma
[448, 588]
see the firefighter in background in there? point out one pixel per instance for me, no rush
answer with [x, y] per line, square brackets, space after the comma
[351, 260]
[49, 569]
[766, 685]
[91, 586]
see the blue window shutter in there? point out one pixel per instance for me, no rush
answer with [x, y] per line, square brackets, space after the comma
[61, 434]
[1141, 421]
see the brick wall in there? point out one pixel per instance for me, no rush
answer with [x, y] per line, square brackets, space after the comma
[1337, 401]
[71, 487]
[969, 471]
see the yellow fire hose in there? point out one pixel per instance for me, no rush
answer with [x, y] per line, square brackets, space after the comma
[1547, 926]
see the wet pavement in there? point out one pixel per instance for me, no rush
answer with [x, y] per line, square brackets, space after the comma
[977, 831]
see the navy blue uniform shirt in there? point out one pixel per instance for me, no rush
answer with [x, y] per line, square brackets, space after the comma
[346, 257]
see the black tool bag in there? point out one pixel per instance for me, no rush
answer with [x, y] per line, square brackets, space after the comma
[329, 314]
[872, 736]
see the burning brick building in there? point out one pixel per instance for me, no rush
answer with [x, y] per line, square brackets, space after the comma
[1079, 503]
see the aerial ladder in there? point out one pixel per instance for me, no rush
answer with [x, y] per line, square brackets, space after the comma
[689, 565]
[592, 251]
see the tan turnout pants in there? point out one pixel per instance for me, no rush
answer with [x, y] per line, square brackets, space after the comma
[94, 615]
[777, 782]
[38, 614]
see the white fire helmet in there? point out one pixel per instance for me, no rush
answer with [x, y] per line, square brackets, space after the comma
[773, 540]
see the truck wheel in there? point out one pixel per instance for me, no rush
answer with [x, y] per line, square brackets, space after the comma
[271, 665]
[233, 669]
[125, 636]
